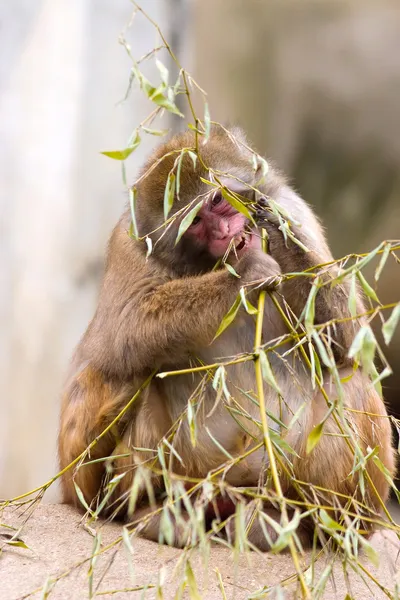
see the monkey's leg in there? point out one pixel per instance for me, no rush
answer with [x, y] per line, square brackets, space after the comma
[151, 525]
[259, 530]
[88, 406]
[330, 463]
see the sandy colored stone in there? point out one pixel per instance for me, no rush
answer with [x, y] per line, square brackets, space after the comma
[58, 542]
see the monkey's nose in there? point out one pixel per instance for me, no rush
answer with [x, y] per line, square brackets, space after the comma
[220, 229]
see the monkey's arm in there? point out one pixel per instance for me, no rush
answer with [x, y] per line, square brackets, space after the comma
[150, 322]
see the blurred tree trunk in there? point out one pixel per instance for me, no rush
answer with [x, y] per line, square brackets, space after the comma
[62, 73]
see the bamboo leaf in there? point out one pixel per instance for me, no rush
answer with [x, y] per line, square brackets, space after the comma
[352, 302]
[157, 132]
[169, 194]
[249, 308]
[192, 423]
[368, 290]
[372, 554]
[159, 99]
[193, 156]
[382, 262]
[149, 244]
[363, 347]
[82, 500]
[330, 523]
[132, 203]
[326, 359]
[187, 221]
[236, 204]
[166, 527]
[309, 309]
[163, 71]
[17, 544]
[219, 446]
[194, 592]
[178, 172]
[267, 372]
[136, 488]
[123, 154]
[390, 325]
[207, 122]
[232, 271]
[314, 437]
[229, 317]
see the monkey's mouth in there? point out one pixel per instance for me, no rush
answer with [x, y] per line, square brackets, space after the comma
[242, 241]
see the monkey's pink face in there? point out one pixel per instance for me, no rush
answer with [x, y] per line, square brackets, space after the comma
[217, 223]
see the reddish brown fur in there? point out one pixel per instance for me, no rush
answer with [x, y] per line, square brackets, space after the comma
[161, 312]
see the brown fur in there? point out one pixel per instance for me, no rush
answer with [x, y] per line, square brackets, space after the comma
[163, 313]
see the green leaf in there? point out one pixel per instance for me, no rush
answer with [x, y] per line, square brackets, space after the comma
[193, 156]
[17, 544]
[229, 317]
[207, 121]
[158, 132]
[163, 71]
[159, 99]
[309, 309]
[368, 290]
[149, 244]
[382, 262]
[82, 500]
[330, 523]
[219, 446]
[232, 271]
[166, 527]
[136, 488]
[119, 154]
[390, 325]
[326, 359]
[178, 172]
[352, 303]
[386, 473]
[187, 221]
[194, 592]
[314, 437]
[249, 308]
[371, 553]
[360, 264]
[363, 347]
[169, 194]
[192, 423]
[132, 203]
[316, 370]
[267, 372]
[123, 154]
[236, 204]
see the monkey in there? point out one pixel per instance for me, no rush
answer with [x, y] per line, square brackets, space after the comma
[160, 306]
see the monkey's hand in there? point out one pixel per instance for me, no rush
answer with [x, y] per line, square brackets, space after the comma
[270, 221]
[257, 267]
[264, 217]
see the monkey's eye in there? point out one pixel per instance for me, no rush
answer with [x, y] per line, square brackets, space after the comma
[216, 198]
[196, 220]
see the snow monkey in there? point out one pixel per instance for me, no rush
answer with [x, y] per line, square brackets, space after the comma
[160, 310]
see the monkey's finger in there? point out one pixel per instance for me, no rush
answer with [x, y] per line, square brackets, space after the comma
[262, 201]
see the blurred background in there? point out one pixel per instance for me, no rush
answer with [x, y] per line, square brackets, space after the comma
[316, 84]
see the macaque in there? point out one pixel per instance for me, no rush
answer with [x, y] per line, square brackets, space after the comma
[159, 311]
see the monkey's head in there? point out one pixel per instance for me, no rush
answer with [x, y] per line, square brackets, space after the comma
[216, 227]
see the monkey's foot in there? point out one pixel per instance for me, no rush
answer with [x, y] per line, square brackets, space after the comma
[260, 532]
